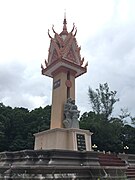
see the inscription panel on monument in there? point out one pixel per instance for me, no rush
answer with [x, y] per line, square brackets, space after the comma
[56, 84]
[81, 145]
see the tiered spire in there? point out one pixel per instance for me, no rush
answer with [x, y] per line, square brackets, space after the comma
[64, 32]
[65, 22]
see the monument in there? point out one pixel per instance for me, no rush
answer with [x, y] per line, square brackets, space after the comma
[64, 151]
[64, 65]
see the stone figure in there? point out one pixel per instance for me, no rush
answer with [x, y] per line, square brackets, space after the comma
[71, 114]
[67, 114]
[75, 115]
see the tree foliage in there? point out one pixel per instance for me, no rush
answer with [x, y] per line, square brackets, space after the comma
[102, 100]
[132, 120]
[106, 135]
[109, 133]
[17, 126]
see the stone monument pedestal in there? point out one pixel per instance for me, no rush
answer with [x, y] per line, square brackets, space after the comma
[64, 139]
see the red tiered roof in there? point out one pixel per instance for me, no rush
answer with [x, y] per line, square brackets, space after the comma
[64, 53]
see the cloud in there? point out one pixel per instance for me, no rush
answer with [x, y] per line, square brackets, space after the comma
[10, 76]
[20, 86]
[112, 54]
[105, 33]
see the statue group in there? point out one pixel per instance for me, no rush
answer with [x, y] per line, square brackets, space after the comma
[71, 114]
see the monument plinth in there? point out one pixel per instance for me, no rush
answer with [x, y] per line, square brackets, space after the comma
[64, 64]
[64, 139]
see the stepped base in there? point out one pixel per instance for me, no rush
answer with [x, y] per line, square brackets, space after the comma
[56, 164]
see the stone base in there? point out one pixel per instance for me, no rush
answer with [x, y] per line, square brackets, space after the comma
[64, 139]
[57, 164]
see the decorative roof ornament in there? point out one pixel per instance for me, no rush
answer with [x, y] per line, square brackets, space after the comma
[64, 32]
[64, 51]
[65, 23]
[49, 34]
[73, 27]
[75, 31]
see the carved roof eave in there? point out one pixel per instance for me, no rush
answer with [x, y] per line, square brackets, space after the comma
[48, 71]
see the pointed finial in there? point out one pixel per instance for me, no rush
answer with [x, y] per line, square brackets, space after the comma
[64, 13]
[65, 21]
[64, 32]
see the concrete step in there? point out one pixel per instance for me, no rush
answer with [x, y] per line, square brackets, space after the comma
[110, 160]
[130, 172]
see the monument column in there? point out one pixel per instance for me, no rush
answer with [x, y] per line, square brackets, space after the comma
[63, 88]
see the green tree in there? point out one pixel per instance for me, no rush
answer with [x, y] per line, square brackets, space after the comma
[106, 134]
[102, 100]
[128, 138]
[132, 120]
[18, 125]
[2, 132]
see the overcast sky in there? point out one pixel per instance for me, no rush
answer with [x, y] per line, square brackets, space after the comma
[106, 33]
